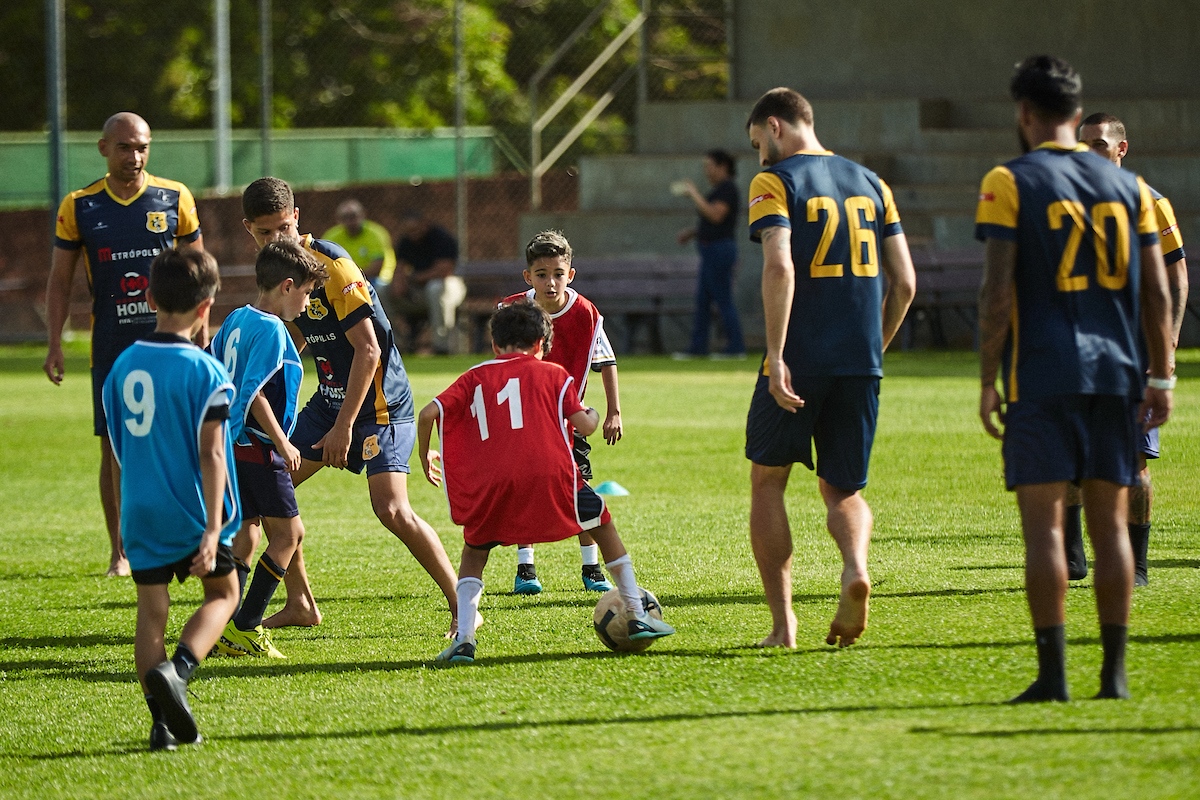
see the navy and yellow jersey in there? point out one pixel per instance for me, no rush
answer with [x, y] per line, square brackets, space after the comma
[119, 239]
[1169, 235]
[839, 213]
[1079, 223]
[346, 299]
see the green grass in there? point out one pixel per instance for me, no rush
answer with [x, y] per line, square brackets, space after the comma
[913, 710]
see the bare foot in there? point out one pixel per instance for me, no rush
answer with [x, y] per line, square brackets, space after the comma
[293, 616]
[851, 618]
[453, 632]
[118, 568]
[782, 635]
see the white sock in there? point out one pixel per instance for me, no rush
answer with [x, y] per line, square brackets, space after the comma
[590, 554]
[524, 555]
[621, 571]
[470, 590]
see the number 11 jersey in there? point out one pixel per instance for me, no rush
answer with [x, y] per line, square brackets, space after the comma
[506, 452]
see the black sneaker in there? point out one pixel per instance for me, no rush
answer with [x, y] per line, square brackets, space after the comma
[594, 580]
[170, 691]
[526, 581]
[161, 738]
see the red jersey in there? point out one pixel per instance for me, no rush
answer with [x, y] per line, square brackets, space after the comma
[580, 343]
[506, 453]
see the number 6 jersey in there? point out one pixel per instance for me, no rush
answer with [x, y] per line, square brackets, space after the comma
[506, 452]
[1079, 223]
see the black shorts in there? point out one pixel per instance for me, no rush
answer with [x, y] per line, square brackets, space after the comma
[264, 483]
[99, 423]
[838, 416]
[1074, 437]
[181, 569]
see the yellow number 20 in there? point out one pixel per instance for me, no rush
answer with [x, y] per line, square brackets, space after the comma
[1110, 273]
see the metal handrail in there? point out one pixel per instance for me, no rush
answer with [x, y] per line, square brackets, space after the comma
[538, 165]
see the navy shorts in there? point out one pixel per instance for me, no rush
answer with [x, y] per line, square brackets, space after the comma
[182, 568]
[379, 448]
[99, 423]
[264, 483]
[838, 416]
[1074, 437]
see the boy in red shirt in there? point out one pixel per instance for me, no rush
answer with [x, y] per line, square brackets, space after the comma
[502, 427]
[581, 347]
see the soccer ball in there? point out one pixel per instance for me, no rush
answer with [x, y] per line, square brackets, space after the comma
[611, 622]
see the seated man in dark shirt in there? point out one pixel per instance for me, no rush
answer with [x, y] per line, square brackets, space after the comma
[424, 286]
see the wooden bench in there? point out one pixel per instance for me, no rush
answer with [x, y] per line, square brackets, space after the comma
[639, 291]
[947, 280]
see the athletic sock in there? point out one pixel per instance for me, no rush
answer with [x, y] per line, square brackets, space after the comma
[1112, 673]
[1077, 566]
[590, 554]
[155, 709]
[524, 555]
[1051, 683]
[243, 574]
[470, 590]
[1139, 540]
[621, 570]
[185, 662]
[267, 576]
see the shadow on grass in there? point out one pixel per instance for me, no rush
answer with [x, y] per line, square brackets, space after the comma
[968, 568]
[39, 642]
[1007, 734]
[1175, 563]
[951, 592]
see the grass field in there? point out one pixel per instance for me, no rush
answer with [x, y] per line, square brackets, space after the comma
[914, 710]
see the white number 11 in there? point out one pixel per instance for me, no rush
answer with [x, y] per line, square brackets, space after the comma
[511, 394]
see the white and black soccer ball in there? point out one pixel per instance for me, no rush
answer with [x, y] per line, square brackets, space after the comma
[612, 622]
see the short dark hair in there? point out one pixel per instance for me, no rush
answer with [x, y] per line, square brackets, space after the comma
[279, 261]
[180, 280]
[1104, 118]
[722, 159]
[1050, 85]
[547, 244]
[267, 196]
[784, 103]
[520, 325]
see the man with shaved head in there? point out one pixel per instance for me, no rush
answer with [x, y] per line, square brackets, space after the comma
[118, 224]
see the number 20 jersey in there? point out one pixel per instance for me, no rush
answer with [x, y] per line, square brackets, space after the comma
[839, 213]
[506, 454]
[1079, 223]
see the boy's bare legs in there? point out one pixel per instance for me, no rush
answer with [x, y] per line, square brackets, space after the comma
[204, 628]
[389, 499]
[149, 649]
[300, 609]
[771, 540]
[110, 501]
[849, 520]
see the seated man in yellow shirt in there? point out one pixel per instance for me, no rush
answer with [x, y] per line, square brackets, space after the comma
[367, 242]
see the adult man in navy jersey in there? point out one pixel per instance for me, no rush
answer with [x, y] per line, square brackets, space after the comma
[118, 224]
[837, 282]
[1073, 270]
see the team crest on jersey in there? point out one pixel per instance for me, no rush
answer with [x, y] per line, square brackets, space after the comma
[316, 309]
[156, 221]
[370, 447]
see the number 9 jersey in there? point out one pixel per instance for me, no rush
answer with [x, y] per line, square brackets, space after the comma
[160, 392]
[1079, 223]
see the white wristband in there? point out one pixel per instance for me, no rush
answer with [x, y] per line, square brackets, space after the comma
[1166, 384]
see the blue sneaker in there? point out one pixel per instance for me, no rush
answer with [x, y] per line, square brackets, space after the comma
[648, 628]
[458, 653]
[594, 580]
[526, 581]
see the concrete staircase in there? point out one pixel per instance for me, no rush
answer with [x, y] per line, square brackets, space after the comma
[932, 153]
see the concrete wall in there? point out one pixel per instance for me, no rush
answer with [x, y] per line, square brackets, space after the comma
[963, 49]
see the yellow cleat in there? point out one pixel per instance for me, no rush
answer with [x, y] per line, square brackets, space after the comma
[256, 643]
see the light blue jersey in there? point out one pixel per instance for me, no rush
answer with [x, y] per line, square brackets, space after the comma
[156, 398]
[260, 356]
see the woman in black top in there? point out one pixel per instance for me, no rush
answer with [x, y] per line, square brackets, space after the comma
[718, 255]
